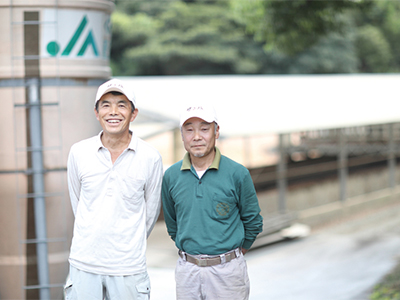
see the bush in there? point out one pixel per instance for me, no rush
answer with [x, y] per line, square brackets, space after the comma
[389, 288]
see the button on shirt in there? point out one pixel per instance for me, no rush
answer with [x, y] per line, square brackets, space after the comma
[115, 205]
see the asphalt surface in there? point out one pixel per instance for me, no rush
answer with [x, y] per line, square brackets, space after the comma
[340, 262]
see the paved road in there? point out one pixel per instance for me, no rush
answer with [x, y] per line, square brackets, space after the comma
[342, 262]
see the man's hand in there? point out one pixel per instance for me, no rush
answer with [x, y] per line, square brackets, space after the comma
[244, 251]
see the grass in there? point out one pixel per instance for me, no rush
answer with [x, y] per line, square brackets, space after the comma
[389, 287]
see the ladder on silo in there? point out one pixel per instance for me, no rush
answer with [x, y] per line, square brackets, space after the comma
[34, 149]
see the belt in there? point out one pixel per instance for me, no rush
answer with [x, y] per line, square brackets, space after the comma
[207, 260]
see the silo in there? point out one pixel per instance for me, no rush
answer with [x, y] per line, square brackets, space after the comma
[54, 54]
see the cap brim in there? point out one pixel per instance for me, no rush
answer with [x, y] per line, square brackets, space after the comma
[111, 89]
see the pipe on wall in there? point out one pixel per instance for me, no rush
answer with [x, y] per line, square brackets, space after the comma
[35, 130]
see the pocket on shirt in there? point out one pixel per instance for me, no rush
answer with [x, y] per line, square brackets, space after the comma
[132, 189]
[223, 206]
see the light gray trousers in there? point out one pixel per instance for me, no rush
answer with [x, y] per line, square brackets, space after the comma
[224, 281]
[87, 286]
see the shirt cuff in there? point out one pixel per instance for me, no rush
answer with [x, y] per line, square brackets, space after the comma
[247, 244]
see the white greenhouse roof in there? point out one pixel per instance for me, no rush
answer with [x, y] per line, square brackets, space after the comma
[261, 104]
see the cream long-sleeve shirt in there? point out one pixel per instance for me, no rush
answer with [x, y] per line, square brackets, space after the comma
[115, 205]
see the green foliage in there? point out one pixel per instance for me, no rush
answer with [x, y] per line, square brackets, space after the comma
[176, 37]
[391, 27]
[293, 26]
[332, 54]
[129, 32]
[150, 7]
[378, 37]
[373, 50]
[193, 38]
[389, 288]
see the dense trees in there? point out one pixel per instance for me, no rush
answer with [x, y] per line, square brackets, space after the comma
[255, 37]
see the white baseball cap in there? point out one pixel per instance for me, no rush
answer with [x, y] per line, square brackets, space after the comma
[203, 111]
[115, 85]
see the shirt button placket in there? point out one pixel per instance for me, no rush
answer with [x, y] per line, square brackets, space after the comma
[111, 183]
[199, 189]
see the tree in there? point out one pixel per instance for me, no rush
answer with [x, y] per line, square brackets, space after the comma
[391, 28]
[331, 54]
[129, 32]
[185, 38]
[378, 37]
[293, 26]
[192, 37]
[373, 50]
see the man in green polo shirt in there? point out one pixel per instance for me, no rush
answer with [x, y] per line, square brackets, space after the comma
[211, 211]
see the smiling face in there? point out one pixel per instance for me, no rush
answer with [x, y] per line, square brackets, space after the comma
[114, 112]
[199, 137]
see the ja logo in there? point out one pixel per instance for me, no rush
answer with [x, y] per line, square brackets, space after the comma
[53, 48]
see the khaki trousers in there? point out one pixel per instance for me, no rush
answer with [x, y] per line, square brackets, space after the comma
[224, 281]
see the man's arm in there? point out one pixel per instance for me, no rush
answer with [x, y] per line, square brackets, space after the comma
[74, 183]
[168, 208]
[249, 212]
[153, 196]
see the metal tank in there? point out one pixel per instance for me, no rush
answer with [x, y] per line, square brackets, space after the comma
[53, 56]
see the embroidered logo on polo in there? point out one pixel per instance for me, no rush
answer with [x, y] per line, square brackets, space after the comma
[222, 209]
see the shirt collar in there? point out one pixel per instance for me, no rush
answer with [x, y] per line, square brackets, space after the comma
[187, 164]
[99, 144]
[132, 145]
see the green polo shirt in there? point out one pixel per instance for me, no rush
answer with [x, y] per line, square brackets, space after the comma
[214, 214]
